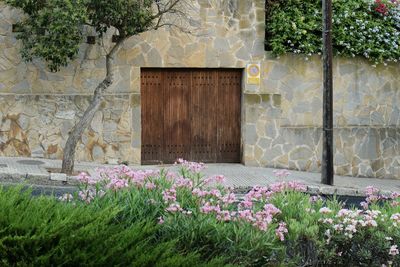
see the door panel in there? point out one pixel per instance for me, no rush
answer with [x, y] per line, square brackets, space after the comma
[152, 99]
[177, 134]
[204, 116]
[228, 138]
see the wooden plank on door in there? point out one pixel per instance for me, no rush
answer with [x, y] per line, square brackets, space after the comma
[152, 95]
[177, 132]
[204, 116]
[229, 96]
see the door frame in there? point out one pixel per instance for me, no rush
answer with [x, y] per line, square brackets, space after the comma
[241, 108]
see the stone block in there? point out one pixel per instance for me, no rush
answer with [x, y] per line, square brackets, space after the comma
[300, 152]
[327, 190]
[250, 134]
[313, 189]
[343, 191]
[65, 114]
[97, 122]
[98, 153]
[221, 44]
[154, 58]
[61, 177]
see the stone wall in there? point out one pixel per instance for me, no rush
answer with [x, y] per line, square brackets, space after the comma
[39, 108]
[366, 117]
[38, 126]
[281, 118]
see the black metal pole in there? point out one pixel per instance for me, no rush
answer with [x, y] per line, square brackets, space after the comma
[327, 171]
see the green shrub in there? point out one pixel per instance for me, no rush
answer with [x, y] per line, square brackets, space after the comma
[42, 231]
[366, 28]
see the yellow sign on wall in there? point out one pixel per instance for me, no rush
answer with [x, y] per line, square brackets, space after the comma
[253, 73]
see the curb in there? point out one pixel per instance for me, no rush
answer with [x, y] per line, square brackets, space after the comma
[40, 179]
[45, 182]
[324, 190]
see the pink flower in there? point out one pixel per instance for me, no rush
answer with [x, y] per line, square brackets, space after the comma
[229, 198]
[370, 190]
[262, 225]
[351, 228]
[218, 179]
[246, 215]
[395, 203]
[281, 231]
[395, 195]
[338, 227]
[396, 218]
[215, 193]
[199, 193]
[314, 199]
[116, 184]
[183, 182]
[85, 178]
[393, 250]
[208, 208]
[292, 185]
[364, 205]
[160, 220]
[194, 167]
[224, 215]
[87, 195]
[150, 185]
[372, 223]
[372, 213]
[258, 193]
[174, 207]
[278, 187]
[271, 209]
[281, 173]
[325, 210]
[246, 203]
[327, 221]
[296, 186]
[169, 195]
[343, 213]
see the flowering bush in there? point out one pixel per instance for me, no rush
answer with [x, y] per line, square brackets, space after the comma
[368, 236]
[270, 225]
[368, 28]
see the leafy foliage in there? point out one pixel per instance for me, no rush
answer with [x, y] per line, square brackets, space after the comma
[368, 28]
[53, 30]
[129, 17]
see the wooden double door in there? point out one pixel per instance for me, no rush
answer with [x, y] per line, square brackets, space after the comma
[192, 114]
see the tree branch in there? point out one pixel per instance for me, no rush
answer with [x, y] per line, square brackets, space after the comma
[167, 9]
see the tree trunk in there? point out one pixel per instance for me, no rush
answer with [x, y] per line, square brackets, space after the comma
[76, 133]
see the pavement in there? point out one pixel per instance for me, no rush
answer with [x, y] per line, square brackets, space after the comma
[36, 172]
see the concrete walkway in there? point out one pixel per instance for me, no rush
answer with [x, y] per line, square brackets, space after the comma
[36, 172]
